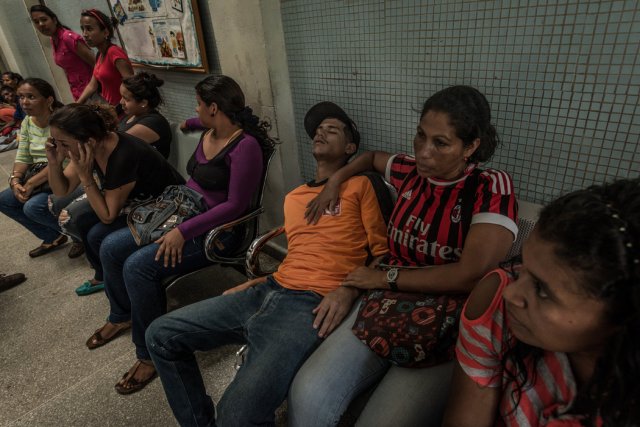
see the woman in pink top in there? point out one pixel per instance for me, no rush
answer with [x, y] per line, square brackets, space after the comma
[112, 62]
[70, 52]
[553, 342]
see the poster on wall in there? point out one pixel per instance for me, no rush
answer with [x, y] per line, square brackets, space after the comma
[162, 33]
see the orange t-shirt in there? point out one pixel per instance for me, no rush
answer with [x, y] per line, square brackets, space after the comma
[320, 256]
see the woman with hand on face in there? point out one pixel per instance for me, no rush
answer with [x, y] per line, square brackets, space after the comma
[554, 341]
[112, 64]
[25, 200]
[225, 170]
[140, 97]
[70, 52]
[113, 168]
[452, 223]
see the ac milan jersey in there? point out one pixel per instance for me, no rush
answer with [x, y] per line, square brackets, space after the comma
[425, 227]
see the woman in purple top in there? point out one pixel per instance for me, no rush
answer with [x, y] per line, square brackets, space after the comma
[226, 169]
[70, 52]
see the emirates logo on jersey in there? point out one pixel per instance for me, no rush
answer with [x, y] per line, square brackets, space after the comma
[407, 195]
[456, 213]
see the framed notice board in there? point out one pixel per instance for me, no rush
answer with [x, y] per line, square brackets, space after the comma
[161, 33]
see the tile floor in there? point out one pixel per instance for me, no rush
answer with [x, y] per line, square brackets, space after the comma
[47, 375]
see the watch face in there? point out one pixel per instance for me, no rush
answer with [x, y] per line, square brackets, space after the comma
[392, 275]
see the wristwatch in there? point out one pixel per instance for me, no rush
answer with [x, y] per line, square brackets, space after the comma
[392, 278]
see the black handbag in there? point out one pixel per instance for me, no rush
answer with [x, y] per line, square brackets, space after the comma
[33, 170]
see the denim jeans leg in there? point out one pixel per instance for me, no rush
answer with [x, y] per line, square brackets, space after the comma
[114, 251]
[94, 239]
[173, 338]
[409, 397]
[337, 372]
[143, 277]
[30, 215]
[280, 338]
[58, 203]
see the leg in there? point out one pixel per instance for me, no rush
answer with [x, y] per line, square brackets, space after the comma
[37, 210]
[80, 219]
[94, 239]
[338, 371]
[173, 338]
[57, 207]
[280, 338]
[11, 207]
[116, 247]
[143, 277]
[409, 397]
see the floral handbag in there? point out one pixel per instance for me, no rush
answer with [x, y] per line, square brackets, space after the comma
[412, 330]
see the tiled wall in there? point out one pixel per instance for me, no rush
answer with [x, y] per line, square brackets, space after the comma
[562, 78]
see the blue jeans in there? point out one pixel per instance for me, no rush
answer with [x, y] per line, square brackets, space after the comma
[93, 241]
[33, 215]
[276, 323]
[133, 280]
[343, 367]
[59, 203]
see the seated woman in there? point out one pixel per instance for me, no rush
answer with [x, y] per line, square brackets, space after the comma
[140, 97]
[554, 342]
[25, 201]
[113, 168]
[226, 170]
[441, 194]
[13, 80]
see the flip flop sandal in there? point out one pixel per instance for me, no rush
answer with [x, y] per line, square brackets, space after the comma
[134, 385]
[96, 340]
[87, 288]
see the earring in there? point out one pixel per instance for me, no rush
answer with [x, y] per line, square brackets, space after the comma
[51, 108]
[466, 159]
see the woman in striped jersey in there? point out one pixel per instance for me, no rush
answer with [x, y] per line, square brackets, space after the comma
[450, 216]
[554, 341]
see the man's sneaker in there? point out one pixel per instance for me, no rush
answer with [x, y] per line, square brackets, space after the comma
[11, 280]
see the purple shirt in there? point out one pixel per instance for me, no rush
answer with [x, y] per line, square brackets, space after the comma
[245, 164]
[65, 43]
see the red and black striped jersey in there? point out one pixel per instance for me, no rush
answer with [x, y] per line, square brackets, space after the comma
[425, 226]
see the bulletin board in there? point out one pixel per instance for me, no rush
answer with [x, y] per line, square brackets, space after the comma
[161, 33]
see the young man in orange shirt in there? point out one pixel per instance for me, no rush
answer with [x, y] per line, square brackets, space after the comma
[283, 317]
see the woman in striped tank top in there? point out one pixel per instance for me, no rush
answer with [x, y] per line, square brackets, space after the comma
[554, 341]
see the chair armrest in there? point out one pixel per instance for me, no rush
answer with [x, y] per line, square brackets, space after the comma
[209, 241]
[252, 263]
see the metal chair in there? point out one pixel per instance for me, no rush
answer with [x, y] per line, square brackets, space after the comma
[247, 226]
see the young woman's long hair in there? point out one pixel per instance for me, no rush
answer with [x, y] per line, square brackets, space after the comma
[229, 98]
[597, 232]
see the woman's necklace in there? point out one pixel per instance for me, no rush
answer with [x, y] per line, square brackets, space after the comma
[231, 138]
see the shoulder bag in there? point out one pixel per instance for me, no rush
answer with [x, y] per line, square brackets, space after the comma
[150, 220]
[412, 329]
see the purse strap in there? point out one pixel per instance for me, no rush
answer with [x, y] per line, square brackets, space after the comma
[468, 200]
